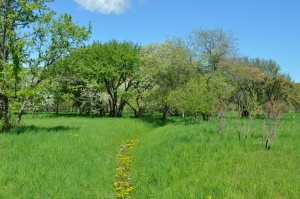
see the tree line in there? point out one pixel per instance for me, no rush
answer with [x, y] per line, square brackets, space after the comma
[45, 62]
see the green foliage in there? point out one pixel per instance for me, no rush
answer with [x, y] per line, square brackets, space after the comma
[169, 66]
[33, 38]
[191, 98]
[15, 17]
[211, 46]
[113, 65]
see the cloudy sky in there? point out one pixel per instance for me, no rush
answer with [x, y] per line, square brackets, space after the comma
[264, 28]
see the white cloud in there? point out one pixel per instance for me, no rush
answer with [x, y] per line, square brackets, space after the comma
[105, 6]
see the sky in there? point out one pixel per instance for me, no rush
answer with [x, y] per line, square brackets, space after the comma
[268, 29]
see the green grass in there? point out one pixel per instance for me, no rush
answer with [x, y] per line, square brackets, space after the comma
[193, 161]
[75, 157]
[64, 157]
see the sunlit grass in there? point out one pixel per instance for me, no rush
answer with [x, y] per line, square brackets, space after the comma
[64, 157]
[76, 157]
[194, 161]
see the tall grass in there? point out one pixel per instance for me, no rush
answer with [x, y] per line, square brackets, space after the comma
[194, 161]
[64, 157]
[75, 157]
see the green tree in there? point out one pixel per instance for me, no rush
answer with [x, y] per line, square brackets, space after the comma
[169, 65]
[113, 66]
[210, 47]
[118, 65]
[191, 98]
[248, 81]
[73, 75]
[31, 36]
[15, 18]
[296, 100]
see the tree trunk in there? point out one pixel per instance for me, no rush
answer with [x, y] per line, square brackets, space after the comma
[101, 112]
[21, 111]
[112, 108]
[57, 107]
[121, 108]
[4, 108]
[206, 117]
[113, 104]
[165, 112]
[137, 111]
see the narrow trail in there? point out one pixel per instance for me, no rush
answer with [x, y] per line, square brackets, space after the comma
[122, 184]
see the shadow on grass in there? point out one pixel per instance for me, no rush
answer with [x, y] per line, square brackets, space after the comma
[54, 115]
[35, 129]
[156, 120]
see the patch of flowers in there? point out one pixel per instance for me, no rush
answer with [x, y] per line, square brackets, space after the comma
[122, 184]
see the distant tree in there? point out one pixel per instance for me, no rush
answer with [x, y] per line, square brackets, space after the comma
[73, 73]
[169, 66]
[210, 47]
[93, 100]
[296, 99]
[191, 98]
[248, 81]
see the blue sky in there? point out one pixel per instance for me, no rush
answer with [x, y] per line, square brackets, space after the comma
[264, 28]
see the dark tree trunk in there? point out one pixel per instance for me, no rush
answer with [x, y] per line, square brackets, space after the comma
[165, 113]
[137, 112]
[206, 117]
[121, 108]
[4, 109]
[101, 112]
[57, 107]
[112, 108]
[113, 105]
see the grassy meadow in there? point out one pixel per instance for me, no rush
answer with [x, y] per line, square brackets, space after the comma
[77, 157]
[64, 157]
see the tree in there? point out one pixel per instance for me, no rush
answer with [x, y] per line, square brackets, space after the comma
[15, 18]
[118, 64]
[296, 99]
[210, 47]
[191, 98]
[93, 100]
[73, 75]
[169, 66]
[113, 66]
[31, 36]
[248, 81]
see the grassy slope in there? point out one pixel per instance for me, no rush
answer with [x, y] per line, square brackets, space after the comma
[64, 157]
[192, 161]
